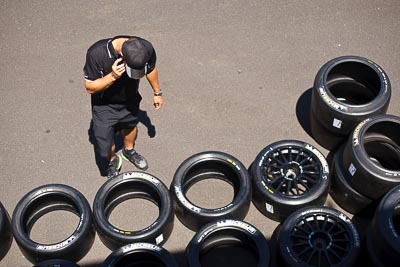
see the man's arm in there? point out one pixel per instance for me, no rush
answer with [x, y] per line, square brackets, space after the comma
[152, 78]
[106, 81]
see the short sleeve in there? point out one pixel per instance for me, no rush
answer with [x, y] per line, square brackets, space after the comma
[152, 62]
[91, 71]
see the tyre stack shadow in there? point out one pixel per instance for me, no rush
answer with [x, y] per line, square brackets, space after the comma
[303, 109]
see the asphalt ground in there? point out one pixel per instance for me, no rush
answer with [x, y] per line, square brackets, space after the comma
[236, 77]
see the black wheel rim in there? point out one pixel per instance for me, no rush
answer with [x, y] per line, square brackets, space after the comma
[291, 170]
[320, 239]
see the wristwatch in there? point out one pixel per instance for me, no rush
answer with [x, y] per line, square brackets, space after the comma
[158, 94]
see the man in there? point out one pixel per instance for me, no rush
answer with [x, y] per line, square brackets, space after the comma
[112, 72]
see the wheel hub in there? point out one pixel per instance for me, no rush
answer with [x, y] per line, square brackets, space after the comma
[291, 170]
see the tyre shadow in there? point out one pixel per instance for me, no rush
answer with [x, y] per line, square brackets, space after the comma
[303, 109]
[101, 162]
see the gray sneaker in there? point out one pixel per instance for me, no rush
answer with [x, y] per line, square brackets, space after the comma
[138, 160]
[114, 167]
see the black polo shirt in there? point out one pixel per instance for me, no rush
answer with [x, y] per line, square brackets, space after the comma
[99, 60]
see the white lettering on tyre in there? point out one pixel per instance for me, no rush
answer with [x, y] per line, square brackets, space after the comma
[330, 101]
[184, 201]
[57, 246]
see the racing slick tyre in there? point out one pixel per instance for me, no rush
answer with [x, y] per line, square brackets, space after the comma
[139, 255]
[45, 199]
[210, 165]
[56, 263]
[346, 91]
[371, 156]
[127, 186]
[5, 232]
[228, 234]
[318, 236]
[383, 240]
[288, 175]
[342, 192]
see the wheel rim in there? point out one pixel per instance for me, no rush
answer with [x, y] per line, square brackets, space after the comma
[291, 170]
[320, 240]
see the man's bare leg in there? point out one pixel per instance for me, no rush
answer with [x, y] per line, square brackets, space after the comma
[129, 138]
[129, 153]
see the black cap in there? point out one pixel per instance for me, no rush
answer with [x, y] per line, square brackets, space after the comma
[136, 52]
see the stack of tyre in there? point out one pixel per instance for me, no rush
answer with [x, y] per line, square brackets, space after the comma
[349, 102]
[288, 182]
[291, 182]
[133, 248]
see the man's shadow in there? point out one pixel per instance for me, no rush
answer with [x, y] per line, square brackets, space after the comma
[101, 162]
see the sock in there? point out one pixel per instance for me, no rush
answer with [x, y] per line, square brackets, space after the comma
[131, 151]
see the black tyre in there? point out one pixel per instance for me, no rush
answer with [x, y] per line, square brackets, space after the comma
[346, 91]
[383, 237]
[318, 236]
[227, 234]
[342, 192]
[139, 255]
[5, 232]
[41, 201]
[207, 165]
[56, 263]
[128, 186]
[371, 157]
[288, 175]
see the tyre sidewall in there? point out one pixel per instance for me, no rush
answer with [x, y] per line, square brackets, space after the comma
[366, 177]
[383, 237]
[193, 216]
[329, 108]
[75, 247]
[6, 236]
[157, 233]
[342, 192]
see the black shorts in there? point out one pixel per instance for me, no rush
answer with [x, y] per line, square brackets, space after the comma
[107, 120]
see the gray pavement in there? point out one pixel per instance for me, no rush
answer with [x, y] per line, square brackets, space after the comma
[232, 72]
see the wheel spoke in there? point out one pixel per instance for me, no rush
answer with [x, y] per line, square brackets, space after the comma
[310, 165]
[296, 187]
[277, 161]
[338, 232]
[335, 254]
[338, 248]
[304, 184]
[298, 155]
[275, 179]
[290, 154]
[328, 258]
[302, 230]
[312, 173]
[324, 224]
[306, 249]
[300, 236]
[281, 184]
[308, 179]
[282, 156]
[311, 256]
[289, 185]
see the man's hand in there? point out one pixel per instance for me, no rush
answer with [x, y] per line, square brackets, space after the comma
[158, 101]
[118, 68]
